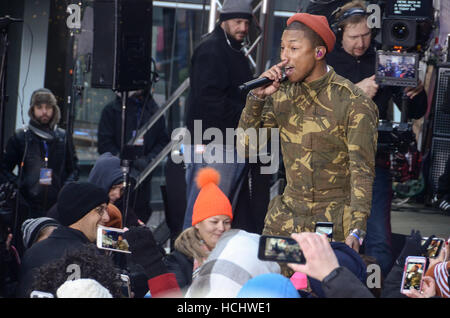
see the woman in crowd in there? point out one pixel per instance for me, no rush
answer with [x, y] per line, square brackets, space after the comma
[212, 216]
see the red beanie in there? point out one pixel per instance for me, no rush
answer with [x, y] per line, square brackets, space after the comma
[319, 24]
[211, 201]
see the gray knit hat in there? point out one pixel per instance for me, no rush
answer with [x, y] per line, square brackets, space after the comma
[236, 9]
[32, 227]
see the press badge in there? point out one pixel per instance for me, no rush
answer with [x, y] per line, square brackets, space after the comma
[139, 141]
[45, 177]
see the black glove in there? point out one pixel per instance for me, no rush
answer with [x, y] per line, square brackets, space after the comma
[413, 247]
[145, 251]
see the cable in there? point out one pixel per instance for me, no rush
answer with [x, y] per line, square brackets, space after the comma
[26, 76]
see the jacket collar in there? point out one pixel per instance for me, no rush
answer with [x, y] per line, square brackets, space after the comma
[65, 232]
[221, 33]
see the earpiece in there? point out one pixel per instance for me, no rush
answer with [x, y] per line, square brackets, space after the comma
[319, 53]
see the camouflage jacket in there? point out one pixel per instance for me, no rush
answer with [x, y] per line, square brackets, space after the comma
[328, 134]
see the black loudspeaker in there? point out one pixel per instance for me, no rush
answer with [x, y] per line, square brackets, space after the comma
[440, 152]
[121, 58]
[441, 118]
[440, 144]
[399, 32]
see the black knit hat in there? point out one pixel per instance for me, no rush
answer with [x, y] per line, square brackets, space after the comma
[236, 9]
[77, 199]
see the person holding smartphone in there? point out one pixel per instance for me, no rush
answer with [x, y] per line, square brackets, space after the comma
[328, 136]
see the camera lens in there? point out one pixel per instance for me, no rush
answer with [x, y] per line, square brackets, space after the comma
[400, 31]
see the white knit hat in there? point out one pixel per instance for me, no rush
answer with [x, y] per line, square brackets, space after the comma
[82, 288]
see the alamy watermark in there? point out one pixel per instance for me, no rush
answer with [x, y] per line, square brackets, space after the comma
[251, 146]
[73, 21]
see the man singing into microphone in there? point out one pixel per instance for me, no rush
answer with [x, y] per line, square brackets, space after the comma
[328, 133]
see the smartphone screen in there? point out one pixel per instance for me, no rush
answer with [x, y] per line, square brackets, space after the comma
[413, 272]
[112, 239]
[280, 249]
[325, 228]
[435, 246]
[126, 288]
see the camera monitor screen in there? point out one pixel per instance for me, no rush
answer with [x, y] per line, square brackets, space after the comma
[409, 8]
[397, 69]
[280, 249]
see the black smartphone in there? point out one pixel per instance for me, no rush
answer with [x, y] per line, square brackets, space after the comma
[280, 249]
[325, 228]
[435, 246]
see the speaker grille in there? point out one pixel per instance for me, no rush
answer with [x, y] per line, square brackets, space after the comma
[440, 152]
[441, 123]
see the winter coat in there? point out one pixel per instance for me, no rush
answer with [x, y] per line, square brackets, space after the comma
[217, 70]
[29, 144]
[54, 247]
[182, 266]
[342, 283]
[110, 128]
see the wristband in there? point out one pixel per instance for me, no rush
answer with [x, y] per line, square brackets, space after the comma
[357, 237]
[253, 96]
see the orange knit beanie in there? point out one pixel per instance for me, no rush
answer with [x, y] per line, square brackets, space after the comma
[211, 201]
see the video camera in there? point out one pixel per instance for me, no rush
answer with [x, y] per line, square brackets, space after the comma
[406, 29]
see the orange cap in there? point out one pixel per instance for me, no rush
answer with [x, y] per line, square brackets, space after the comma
[115, 217]
[211, 201]
[319, 24]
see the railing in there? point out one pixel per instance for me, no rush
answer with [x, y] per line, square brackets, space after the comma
[143, 130]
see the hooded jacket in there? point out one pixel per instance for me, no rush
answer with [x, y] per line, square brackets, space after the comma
[106, 173]
[29, 144]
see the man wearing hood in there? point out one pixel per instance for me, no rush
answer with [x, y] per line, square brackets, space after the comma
[107, 174]
[41, 153]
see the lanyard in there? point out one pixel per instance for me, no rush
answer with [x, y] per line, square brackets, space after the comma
[46, 154]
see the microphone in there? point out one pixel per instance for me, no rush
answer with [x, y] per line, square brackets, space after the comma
[7, 20]
[258, 82]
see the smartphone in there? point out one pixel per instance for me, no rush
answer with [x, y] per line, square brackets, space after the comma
[325, 228]
[126, 287]
[435, 246]
[109, 238]
[413, 273]
[39, 294]
[280, 249]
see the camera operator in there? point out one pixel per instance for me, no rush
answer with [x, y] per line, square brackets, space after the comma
[355, 58]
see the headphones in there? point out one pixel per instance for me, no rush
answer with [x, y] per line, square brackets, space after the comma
[336, 25]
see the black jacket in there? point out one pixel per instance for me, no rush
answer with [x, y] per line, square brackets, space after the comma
[182, 266]
[217, 70]
[59, 242]
[64, 167]
[342, 283]
[110, 128]
[357, 69]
